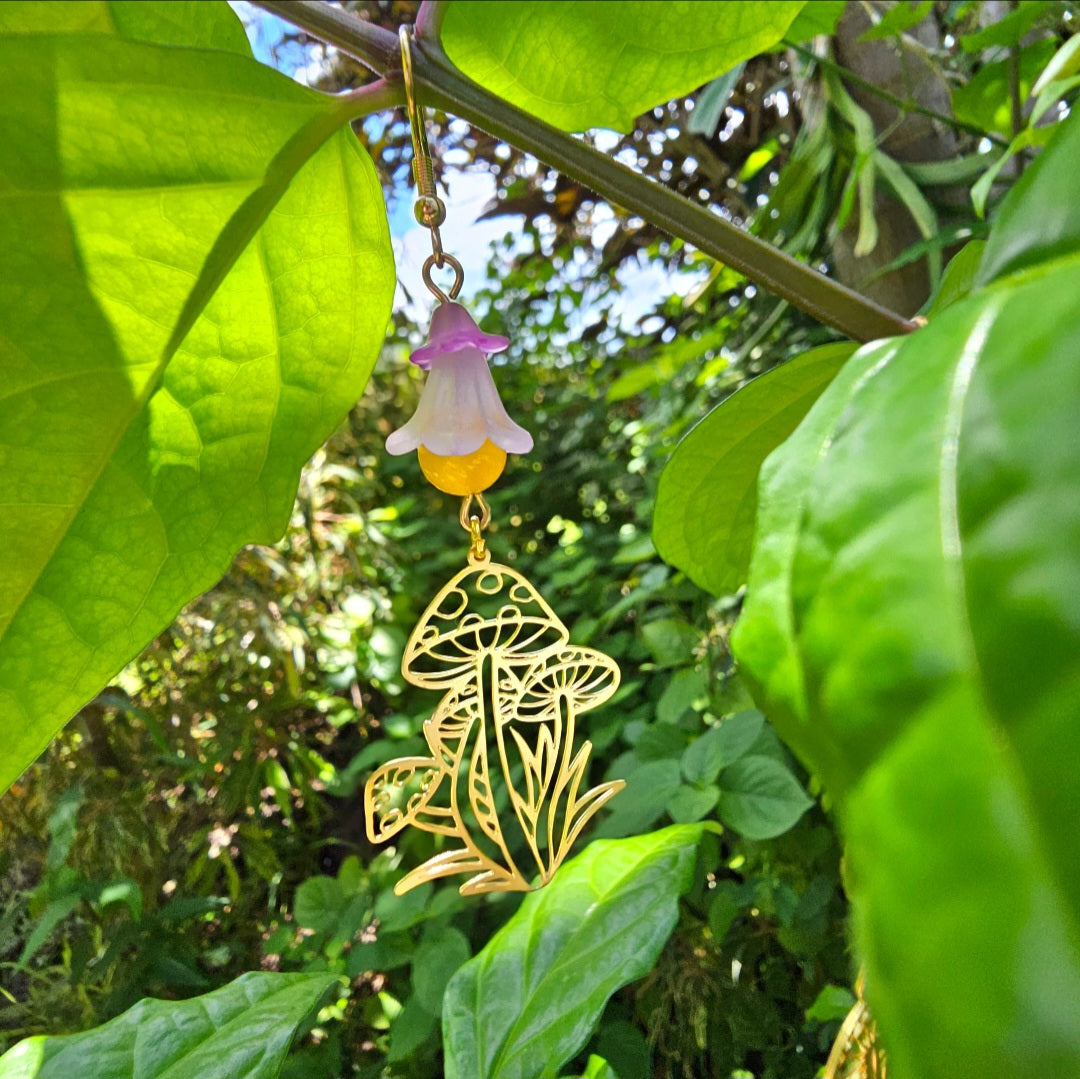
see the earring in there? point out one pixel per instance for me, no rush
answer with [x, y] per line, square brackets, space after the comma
[501, 766]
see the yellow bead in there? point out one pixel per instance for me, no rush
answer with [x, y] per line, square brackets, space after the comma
[467, 475]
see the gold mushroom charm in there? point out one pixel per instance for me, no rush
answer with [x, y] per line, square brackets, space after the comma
[512, 687]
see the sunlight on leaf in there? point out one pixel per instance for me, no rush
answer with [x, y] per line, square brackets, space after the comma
[598, 64]
[241, 1031]
[192, 305]
[529, 1000]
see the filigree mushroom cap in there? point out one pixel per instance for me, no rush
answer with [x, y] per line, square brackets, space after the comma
[486, 610]
[578, 678]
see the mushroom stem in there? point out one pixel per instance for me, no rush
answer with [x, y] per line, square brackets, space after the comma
[481, 796]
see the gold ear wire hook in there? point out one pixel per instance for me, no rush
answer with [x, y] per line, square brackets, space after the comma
[429, 209]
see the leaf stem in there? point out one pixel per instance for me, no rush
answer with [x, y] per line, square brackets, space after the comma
[444, 87]
[374, 97]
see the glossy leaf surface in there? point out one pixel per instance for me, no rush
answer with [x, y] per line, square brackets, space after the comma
[241, 1031]
[529, 1000]
[176, 22]
[1040, 218]
[198, 279]
[705, 506]
[598, 64]
[912, 626]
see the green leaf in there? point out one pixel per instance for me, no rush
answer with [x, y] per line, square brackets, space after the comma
[1064, 63]
[727, 902]
[959, 277]
[689, 804]
[1010, 30]
[670, 640]
[665, 361]
[197, 279]
[863, 167]
[595, 1068]
[911, 625]
[897, 19]
[529, 1000]
[63, 822]
[765, 633]
[922, 213]
[318, 905]
[760, 798]
[125, 891]
[397, 912]
[1040, 218]
[831, 1005]
[241, 1031]
[686, 689]
[173, 22]
[659, 741]
[954, 170]
[980, 190]
[388, 952]
[643, 801]
[705, 757]
[707, 499]
[710, 104]
[1051, 94]
[757, 160]
[600, 64]
[625, 1048]
[412, 1027]
[55, 912]
[435, 963]
[817, 18]
[986, 100]
[598, 1068]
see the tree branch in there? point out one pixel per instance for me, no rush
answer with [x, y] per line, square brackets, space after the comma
[443, 86]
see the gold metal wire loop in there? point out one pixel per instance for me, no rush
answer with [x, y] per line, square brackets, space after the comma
[466, 514]
[474, 523]
[429, 209]
[459, 276]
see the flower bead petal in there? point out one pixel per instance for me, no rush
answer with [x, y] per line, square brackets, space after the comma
[452, 330]
[459, 410]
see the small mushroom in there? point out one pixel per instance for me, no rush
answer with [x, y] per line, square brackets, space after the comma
[548, 698]
[577, 679]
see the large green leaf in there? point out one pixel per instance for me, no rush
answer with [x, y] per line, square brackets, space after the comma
[241, 1031]
[197, 277]
[705, 505]
[913, 623]
[599, 64]
[1040, 218]
[176, 22]
[530, 999]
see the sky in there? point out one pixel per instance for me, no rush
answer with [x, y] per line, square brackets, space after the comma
[466, 196]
